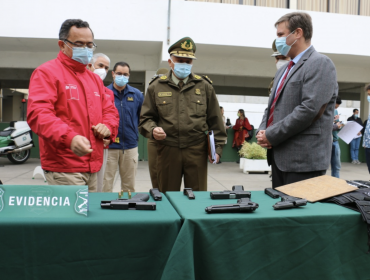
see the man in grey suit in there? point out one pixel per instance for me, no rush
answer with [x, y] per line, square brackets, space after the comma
[297, 124]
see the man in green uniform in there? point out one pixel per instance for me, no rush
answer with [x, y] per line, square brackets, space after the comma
[152, 145]
[178, 109]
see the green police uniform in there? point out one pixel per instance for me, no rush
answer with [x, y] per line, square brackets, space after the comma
[152, 146]
[185, 114]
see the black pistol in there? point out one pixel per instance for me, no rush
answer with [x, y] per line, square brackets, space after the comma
[237, 192]
[287, 201]
[138, 202]
[155, 194]
[243, 205]
[189, 193]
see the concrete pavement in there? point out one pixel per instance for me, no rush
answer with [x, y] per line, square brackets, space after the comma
[220, 177]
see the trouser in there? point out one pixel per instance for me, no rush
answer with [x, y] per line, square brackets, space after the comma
[354, 147]
[126, 162]
[100, 174]
[152, 162]
[367, 154]
[174, 162]
[335, 159]
[281, 178]
[64, 178]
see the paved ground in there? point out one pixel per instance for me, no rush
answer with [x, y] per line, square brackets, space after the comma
[220, 177]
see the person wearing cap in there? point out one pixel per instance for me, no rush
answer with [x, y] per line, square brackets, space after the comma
[280, 61]
[178, 109]
[152, 145]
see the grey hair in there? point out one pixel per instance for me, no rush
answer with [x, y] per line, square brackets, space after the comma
[95, 57]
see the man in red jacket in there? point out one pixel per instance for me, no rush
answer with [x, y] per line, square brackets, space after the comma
[69, 111]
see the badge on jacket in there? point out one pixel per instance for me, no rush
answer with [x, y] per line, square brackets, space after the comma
[197, 91]
[116, 140]
[130, 98]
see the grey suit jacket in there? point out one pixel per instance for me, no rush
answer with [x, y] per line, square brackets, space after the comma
[299, 143]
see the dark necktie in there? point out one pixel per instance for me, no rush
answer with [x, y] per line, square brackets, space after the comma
[181, 84]
[271, 115]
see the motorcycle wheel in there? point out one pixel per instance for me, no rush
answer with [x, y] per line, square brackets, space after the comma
[20, 157]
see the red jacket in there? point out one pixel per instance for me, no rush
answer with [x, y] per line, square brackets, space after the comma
[65, 100]
[109, 95]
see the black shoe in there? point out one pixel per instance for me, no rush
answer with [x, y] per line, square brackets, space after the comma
[219, 162]
[238, 161]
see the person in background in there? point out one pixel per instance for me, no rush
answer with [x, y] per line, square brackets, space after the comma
[355, 143]
[280, 61]
[366, 132]
[123, 152]
[241, 127]
[226, 127]
[99, 64]
[335, 150]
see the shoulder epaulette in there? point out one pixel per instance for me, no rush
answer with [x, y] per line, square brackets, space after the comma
[207, 79]
[153, 79]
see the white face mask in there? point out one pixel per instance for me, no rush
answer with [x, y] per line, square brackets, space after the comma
[101, 73]
[281, 63]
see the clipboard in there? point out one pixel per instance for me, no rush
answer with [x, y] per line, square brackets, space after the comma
[211, 146]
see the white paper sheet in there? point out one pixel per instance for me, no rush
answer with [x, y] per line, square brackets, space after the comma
[349, 131]
[213, 146]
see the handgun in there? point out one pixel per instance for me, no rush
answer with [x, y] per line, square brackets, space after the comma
[138, 202]
[289, 202]
[189, 193]
[155, 194]
[243, 205]
[237, 192]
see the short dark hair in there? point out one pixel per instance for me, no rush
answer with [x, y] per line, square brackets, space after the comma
[123, 64]
[338, 100]
[67, 25]
[354, 110]
[367, 87]
[298, 20]
[221, 107]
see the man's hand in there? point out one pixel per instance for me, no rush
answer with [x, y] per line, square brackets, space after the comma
[106, 142]
[80, 146]
[358, 134]
[262, 140]
[336, 117]
[158, 133]
[101, 130]
[217, 158]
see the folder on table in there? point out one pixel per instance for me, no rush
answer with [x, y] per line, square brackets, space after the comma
[211, 146]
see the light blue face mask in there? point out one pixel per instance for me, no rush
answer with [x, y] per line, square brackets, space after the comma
[81, 55]
[356, 116]
[121, 80]
[368, 98]
[182, 70]
[282, 46]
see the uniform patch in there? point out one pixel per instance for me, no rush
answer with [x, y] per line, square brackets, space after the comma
[130, 98]
[197, 77]
[116, 140]
[163, 77]
[72, 92]
[164, 94]
[208, 79]
[197, 91]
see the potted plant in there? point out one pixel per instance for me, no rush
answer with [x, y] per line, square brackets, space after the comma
[254, 158]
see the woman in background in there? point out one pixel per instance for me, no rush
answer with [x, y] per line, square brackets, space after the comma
[241, 128]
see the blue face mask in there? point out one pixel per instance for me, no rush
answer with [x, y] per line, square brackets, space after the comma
[182, 70]
[81, 55]
[368, 98]
[356, 116]
[282, 46]
[121, 80]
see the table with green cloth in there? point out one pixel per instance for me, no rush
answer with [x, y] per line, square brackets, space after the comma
[108, 244]
[317, 241]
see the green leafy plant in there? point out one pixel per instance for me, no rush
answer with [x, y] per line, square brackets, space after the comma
[252, 151]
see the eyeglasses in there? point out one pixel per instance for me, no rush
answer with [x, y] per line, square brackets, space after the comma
[90, 45]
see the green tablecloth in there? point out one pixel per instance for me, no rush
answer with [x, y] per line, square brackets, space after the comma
[318, 241]
[108, 244]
